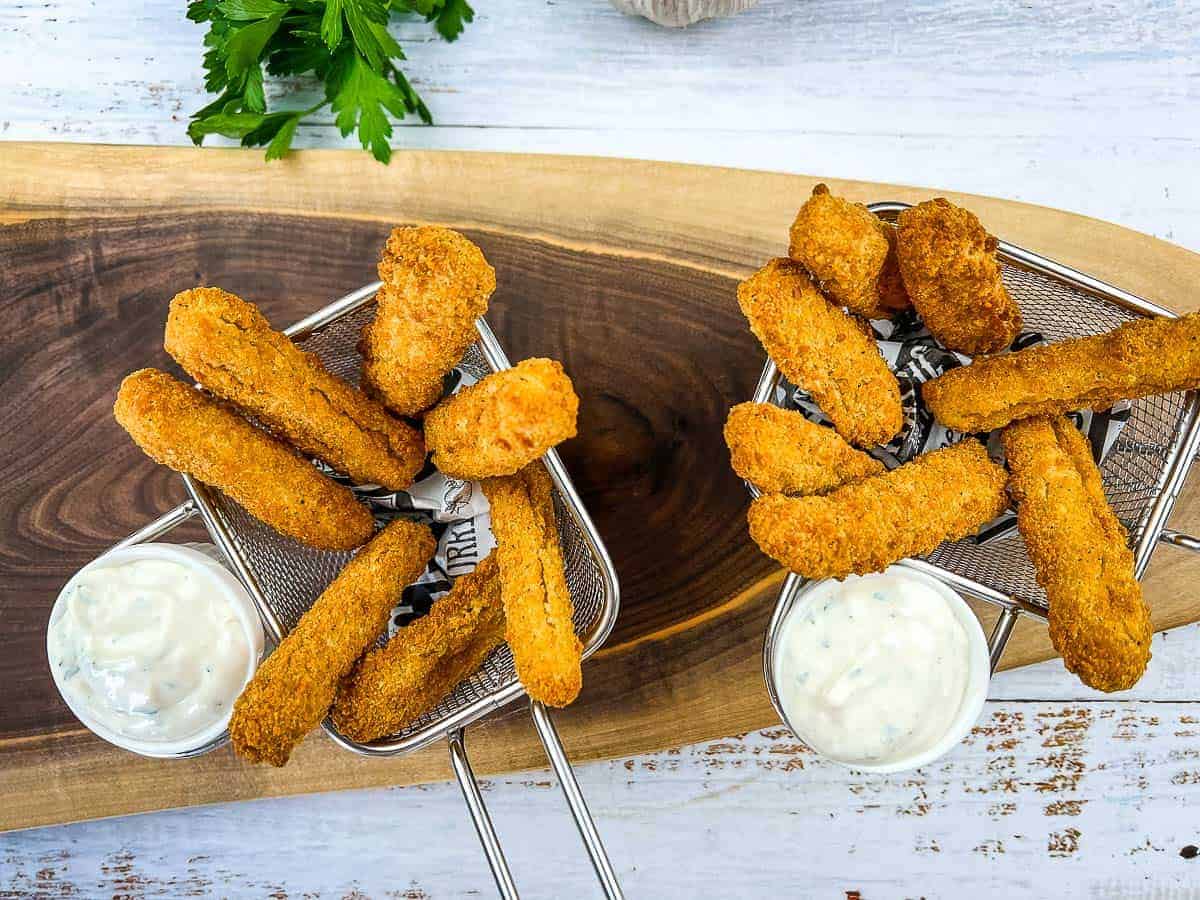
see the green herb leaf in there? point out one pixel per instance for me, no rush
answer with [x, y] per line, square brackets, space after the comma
[245, 44]
[450, 17]
[202, 10]
[331, 24]
[252, 92]
[361, 15]
[227, 124]
[362, 100]
[251, 10]
[282, 142]
[343, 43]
[453, 17]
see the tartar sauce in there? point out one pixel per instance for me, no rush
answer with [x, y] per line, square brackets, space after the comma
[873, 669]
[151, 649]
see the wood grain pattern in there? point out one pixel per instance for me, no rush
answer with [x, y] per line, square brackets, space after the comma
[601, 263]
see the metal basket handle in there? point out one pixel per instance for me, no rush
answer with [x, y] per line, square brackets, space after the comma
[462, 765]
[570, 788]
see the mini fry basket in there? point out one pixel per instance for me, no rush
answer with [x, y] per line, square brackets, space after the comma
[1143, 472]
[284, 578]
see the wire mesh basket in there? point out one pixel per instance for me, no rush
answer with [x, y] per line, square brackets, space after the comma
[284, 577]
[1142, 473]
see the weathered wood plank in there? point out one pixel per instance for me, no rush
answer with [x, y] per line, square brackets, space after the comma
[1074, 800]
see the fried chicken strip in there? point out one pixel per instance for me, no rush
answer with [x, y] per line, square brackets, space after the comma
[1137, 359]
[537, 603]
[1099, 623]
[436, 283]
[824, 351]
[949, 266]
[424, 661]
[293, 689]
[780, 451]
[851, 253]
[503, 422]
[867, 525]
[179, 427]
[228, 346]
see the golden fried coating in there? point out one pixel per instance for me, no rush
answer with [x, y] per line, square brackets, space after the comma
[537, 604]
[228, 346]
[1140, 358]
[867, 525]
[780, 451]
[949, 266]
[851, 253]
[504, 422]
[824, 351]
[182, 428]
[1099, 623]
[293, 689]
[424, 661]
[436, 283]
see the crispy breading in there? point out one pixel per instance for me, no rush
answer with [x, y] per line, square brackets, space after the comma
[851, 253]
[948, 262]
[503, 422]
[391, 687]
[867, 525]
[1137, 359]
[228, 346]
[537, 603]
[821, 349]
[180, 427]
[436, 283]
[780, 451]
[1099, 623]
[295, 686]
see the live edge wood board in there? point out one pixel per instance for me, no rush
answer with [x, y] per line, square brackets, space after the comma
[624, 270]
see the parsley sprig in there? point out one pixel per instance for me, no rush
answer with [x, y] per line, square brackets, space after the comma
[343, 43]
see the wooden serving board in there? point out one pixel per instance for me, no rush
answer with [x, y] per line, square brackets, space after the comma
[624, 270]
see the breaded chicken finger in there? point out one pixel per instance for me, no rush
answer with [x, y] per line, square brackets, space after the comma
[504, 422]
[824, 351]
[180, 427]
[424, 661]
[1099, 622]
[436, 283]
[292, 691]
[950, 271]
[867, 525]
[228, 346]
[1137, 359]
[537, 603]
[780, 451]
[851, 252]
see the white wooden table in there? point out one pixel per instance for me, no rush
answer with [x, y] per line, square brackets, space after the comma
[1087, 106]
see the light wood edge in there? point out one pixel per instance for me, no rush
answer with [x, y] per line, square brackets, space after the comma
[726, 220]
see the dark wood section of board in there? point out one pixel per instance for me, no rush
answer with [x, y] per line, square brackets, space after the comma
[658, 354]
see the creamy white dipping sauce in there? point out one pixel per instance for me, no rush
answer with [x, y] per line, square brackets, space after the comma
[873, 670]
[151, 649]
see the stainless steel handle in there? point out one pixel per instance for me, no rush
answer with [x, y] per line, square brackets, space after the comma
[570, 788]
[160, 526]
[480, 818]
[1179, 539]
[579, 811]
[1001, 632]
